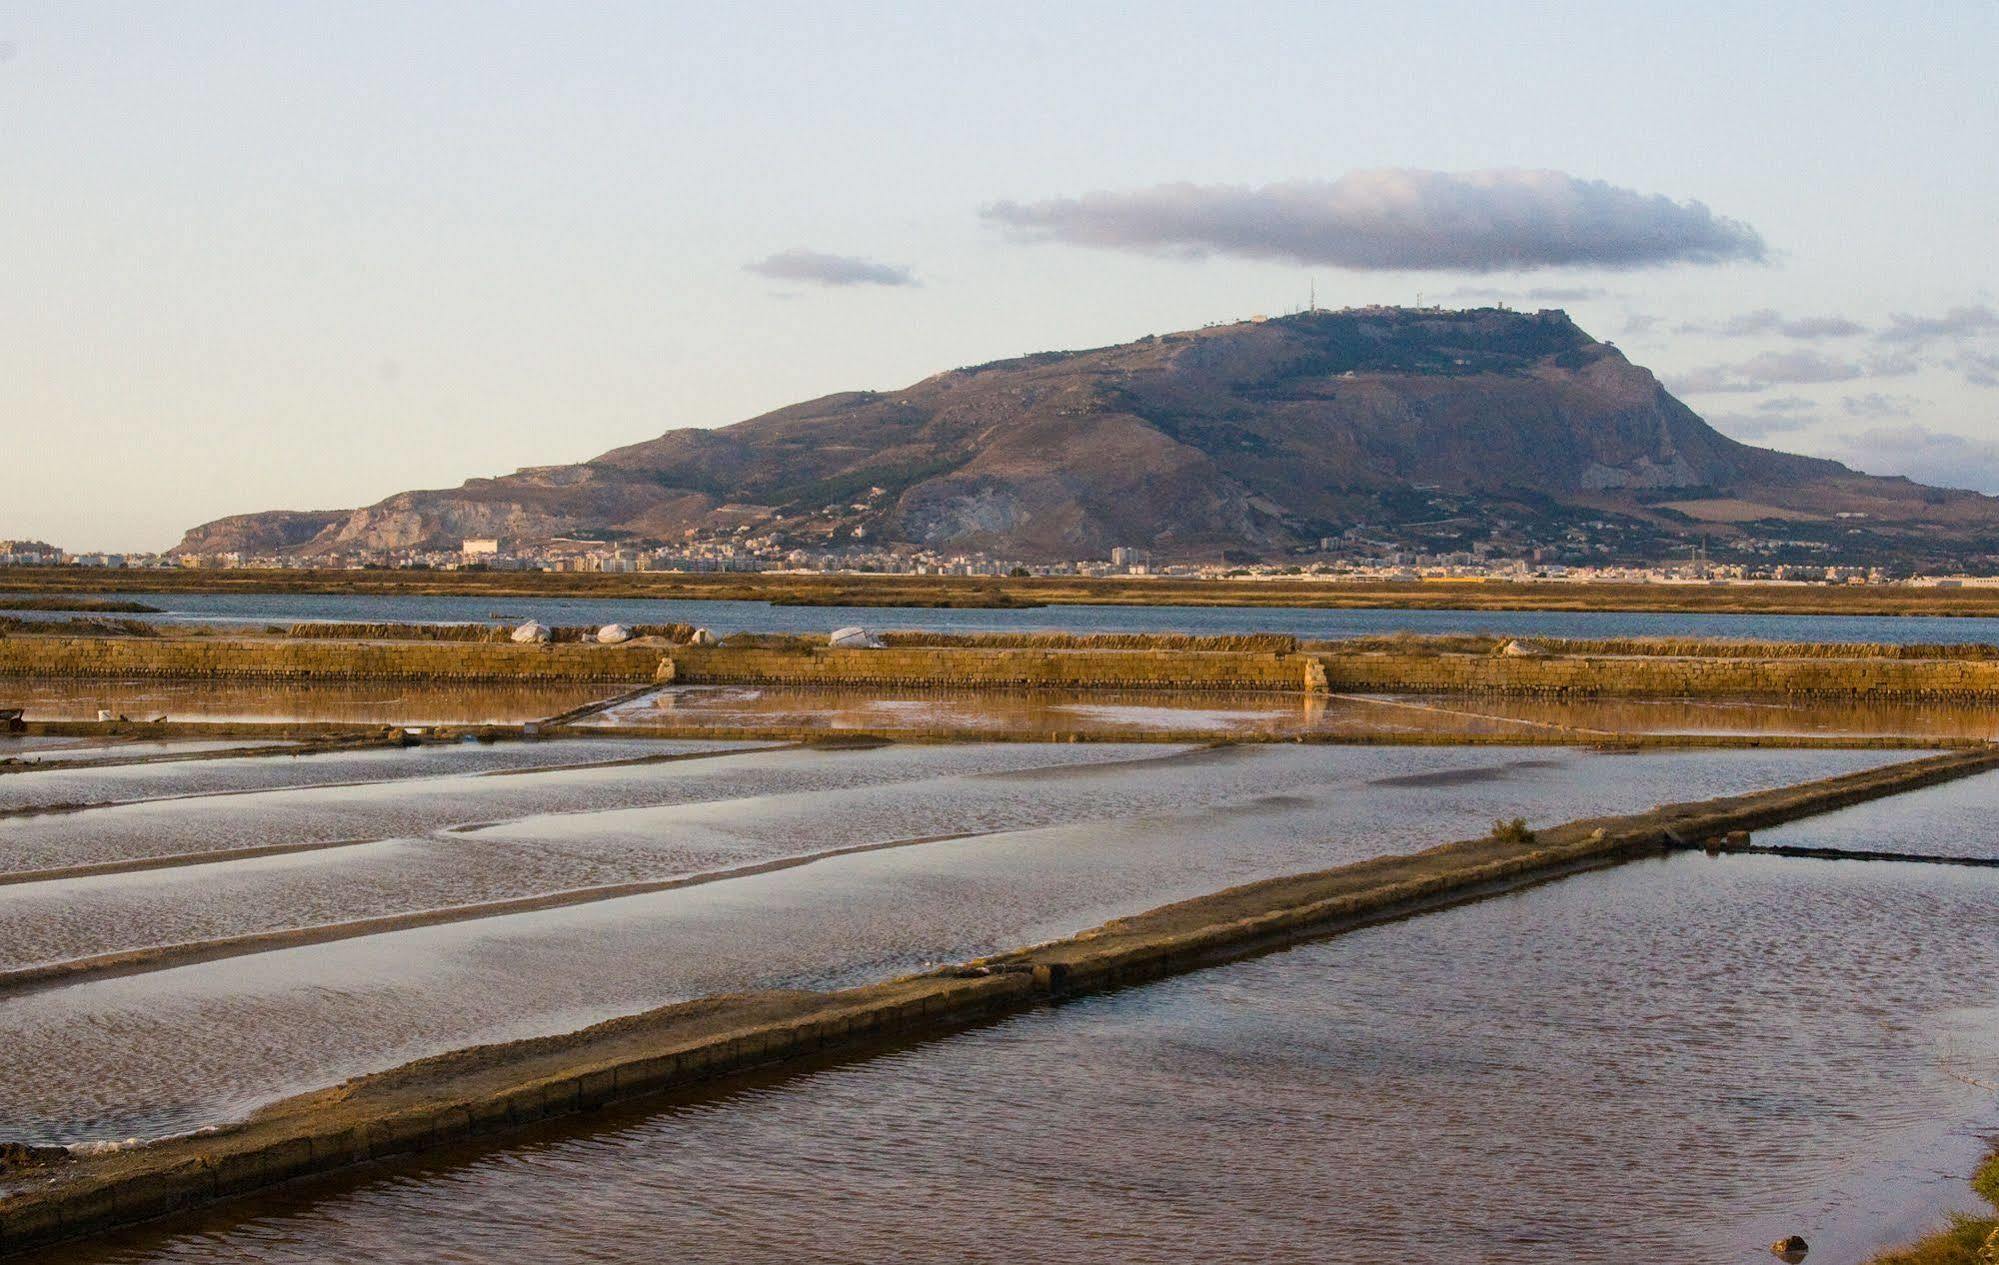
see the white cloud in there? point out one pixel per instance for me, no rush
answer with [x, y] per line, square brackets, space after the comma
[1482, 221]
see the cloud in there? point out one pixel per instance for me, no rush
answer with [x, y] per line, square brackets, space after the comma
[815, 268]
[1958, 322]
[1770, 321]
[1925, 455]
[1757, 425]
[1773, 368]
[1481, 221]
[1980, 368]
[1537, 294]
[1875, 404]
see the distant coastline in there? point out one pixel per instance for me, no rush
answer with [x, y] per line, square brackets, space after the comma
[975, 592]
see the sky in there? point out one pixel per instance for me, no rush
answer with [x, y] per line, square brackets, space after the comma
[304, 255]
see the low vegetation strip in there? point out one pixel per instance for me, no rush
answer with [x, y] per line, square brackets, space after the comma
[1247, 643]
[491, 1089]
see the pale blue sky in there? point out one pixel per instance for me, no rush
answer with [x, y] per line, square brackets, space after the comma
[304, 255]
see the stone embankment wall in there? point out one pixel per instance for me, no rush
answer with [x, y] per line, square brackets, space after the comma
[1009, 668]
[489, 1090]
[1612, 676]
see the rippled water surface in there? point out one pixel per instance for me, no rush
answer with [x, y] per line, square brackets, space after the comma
[1956, 819]
[1045, 851]
[1674, 1061]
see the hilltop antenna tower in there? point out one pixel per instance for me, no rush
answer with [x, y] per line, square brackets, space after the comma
[1312, 288]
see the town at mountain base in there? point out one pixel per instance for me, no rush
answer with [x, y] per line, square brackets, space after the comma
[1368, 432]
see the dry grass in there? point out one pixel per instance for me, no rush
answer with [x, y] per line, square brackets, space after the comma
[677, 633]
[1248, 643]
[78, 627]
[1662, 647]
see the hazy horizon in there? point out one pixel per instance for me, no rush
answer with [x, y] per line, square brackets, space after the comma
[304, 257]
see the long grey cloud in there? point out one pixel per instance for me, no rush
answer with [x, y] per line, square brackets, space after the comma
[816, 268]
[1958, 322]
[1480, 221]
[1927, 456]
[1770, 321]
[1784, 368]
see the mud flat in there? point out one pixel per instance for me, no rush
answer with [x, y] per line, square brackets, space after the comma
[492, 1088]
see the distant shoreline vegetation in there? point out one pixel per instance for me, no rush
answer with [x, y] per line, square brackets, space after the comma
[95, 606]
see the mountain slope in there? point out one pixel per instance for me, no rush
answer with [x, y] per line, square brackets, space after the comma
[1246, 440]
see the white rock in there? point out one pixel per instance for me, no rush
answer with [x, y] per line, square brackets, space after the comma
[855, 638]
[612, 634]
[701, 637]
[531, 632]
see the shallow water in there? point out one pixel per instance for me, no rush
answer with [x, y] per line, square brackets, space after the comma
[174, 1049]
[1672, 1061]
[458, 840]
[1041, 713]
[1956, 819]
[582, 777]
[360, 702]
[33, 749]
[727, 617]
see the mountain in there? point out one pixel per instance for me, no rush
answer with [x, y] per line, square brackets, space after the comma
[1402, 427]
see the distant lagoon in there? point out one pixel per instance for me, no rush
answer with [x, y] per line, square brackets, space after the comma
[725, 617]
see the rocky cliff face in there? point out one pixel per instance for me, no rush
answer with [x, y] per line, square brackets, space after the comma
[1245, 439]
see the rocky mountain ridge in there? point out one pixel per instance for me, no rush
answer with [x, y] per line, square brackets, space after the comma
[1420, 427]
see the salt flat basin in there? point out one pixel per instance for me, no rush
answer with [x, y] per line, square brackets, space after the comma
[1677, 1060]
[32, 749]
[174, 1049]
[1039, 713]
[454, 840]
[393, 802]
[356, 702]
[124, 784]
